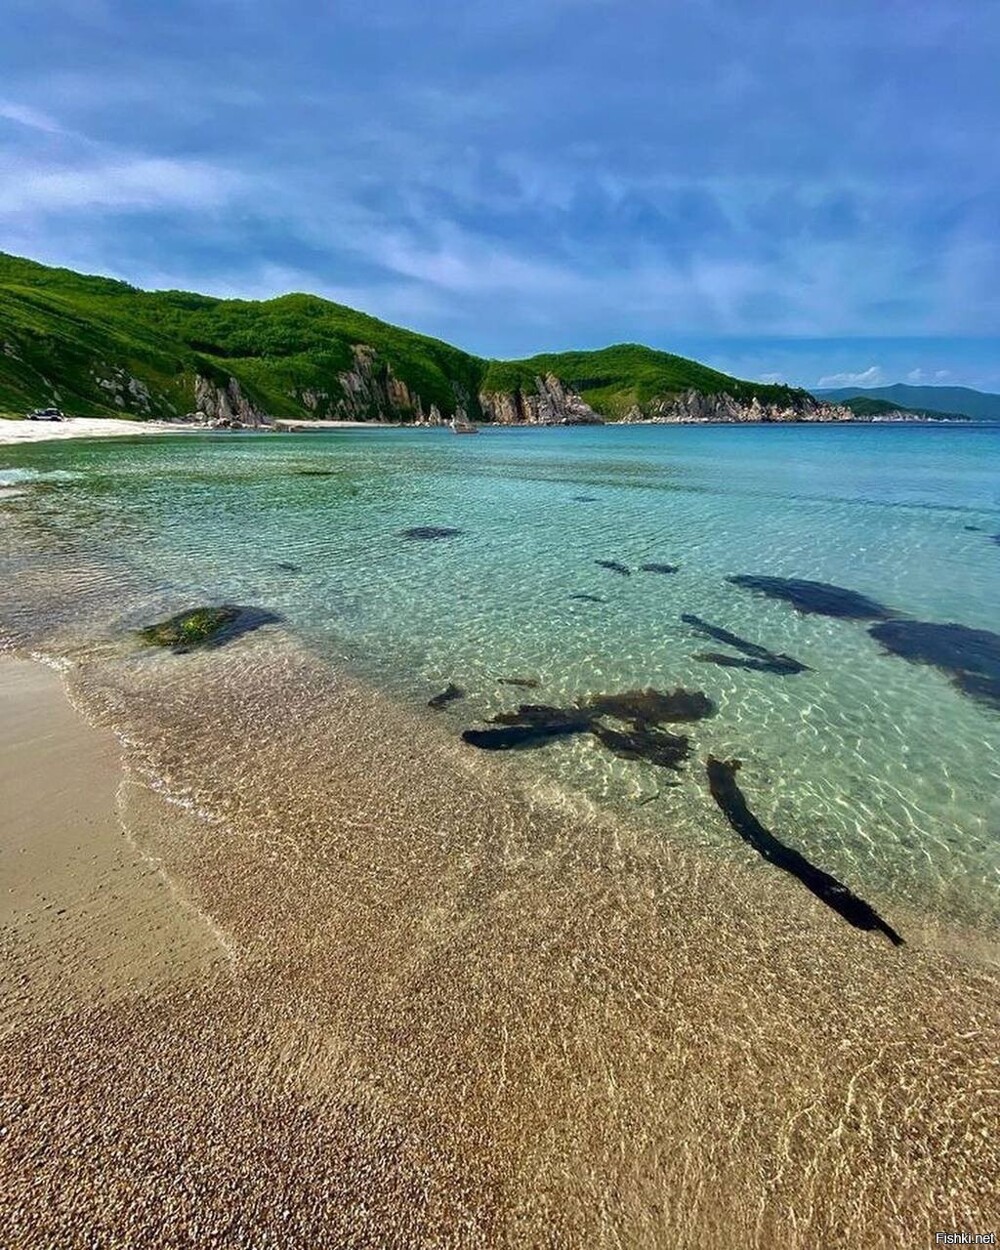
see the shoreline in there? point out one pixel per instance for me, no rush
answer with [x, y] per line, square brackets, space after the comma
[69, 868]
[18, 432]
[494, 989]
[21, 432]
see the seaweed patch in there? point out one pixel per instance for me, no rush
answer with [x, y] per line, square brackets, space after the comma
[651, 706]
[615, 566]
[754, 657]
[644, 742]
[531, 725]
[970, 657]
[528, 683]
[729, 797]
[430, 532]
[206, 627]
[449, 694]
[535, 724]
[815, 597]
[659, 568]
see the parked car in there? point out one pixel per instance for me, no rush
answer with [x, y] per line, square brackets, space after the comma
[46, 414]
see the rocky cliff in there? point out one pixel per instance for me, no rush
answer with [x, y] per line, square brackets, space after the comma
[694, 406]
[225, 404]
[370, 391]
[551, 403]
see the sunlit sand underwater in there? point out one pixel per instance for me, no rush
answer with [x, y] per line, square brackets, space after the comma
[422, 561]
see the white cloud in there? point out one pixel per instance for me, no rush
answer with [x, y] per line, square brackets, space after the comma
[135, 182]
[11, 111]
[872, 376]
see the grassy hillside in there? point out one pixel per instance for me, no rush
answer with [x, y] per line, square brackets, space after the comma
[62, 333]
[613, 379]
[97, 347]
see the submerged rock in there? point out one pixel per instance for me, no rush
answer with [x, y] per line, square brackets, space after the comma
[430, 532]
[815, 597]
[970, 657]
[206, 627]
[615, 566]
[449, 694]
[651, 707]
[755, 657]
[287, 567]
[529, 683]
[659, 568]
[729, 797]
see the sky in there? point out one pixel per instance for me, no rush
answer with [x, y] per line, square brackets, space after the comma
[806, 192]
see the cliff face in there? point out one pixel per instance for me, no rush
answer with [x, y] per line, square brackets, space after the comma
[372, 392]
[693, 406]
[226, 405]
[551, 403]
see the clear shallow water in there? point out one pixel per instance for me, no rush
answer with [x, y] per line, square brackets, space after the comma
[879, 771]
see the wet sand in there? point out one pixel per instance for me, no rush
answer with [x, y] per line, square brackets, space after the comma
[426, 1010]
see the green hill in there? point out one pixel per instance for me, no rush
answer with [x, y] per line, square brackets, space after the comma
[954, 400]
[98, 347]
[864, 406]
[615, 379]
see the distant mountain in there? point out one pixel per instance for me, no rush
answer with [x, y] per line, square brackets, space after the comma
[876, 409]
[961, 400]
[97, 347]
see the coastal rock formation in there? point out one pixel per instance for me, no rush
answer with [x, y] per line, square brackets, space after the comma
[551, 403]
[372, 392]
[695, 406]
[226, 405]
[129, 393]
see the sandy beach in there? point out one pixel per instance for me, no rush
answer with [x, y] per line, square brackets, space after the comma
[377, 999]
[24, 431]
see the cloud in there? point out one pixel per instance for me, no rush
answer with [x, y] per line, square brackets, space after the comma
[34, 119]
[872, 376]
[115, 184]
[932, 376]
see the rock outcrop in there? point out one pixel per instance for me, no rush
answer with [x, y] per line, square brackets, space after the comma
[551, 403]
[226, 406]
[694, 406]
[372, 392]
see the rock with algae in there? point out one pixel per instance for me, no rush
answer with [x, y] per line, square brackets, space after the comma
[205, 626]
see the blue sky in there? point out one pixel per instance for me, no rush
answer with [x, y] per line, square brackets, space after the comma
[805, 191]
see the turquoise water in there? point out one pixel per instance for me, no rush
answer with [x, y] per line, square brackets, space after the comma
[881, 771]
